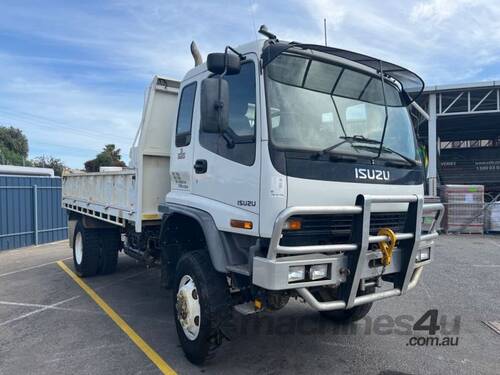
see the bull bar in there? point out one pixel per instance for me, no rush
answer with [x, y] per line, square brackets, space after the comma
[348, 273]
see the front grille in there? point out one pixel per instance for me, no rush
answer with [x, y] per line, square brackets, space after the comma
[331, 229]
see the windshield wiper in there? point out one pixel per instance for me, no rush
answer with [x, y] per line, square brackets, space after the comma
[410, 161]
[360, 139]
[348, 139]
[368, 141]
[363, 139]
[330, 148]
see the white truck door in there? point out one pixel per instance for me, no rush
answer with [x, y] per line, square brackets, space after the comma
[229, 173]
[181, 159]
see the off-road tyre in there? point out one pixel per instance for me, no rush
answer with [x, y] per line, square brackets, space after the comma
[86, 251]
[349, 315]
[109, 247]
[214, 301]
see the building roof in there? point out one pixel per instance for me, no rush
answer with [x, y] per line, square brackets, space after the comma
[25, 171]
[463, 86]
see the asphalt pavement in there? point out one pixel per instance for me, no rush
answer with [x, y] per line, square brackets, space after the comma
[49, 325]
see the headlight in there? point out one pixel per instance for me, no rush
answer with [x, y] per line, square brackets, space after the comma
[318, 271]
[296, 273]
[423, 254]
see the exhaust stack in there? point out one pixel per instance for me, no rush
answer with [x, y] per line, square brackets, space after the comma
[196, 54]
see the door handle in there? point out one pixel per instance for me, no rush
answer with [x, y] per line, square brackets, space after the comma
[200, 166]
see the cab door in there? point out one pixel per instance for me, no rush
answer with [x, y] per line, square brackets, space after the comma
[227, 169]
[181, 159]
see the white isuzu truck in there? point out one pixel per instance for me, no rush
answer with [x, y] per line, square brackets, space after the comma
[272, 171]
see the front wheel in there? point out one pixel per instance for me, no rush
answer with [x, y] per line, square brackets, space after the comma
[201, 304]
[349, 315]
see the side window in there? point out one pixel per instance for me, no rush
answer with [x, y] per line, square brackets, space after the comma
[242, 119]
[185, 116]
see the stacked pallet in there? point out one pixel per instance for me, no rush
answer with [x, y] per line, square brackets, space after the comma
[428, 219]
[464, 208]
[493, 217]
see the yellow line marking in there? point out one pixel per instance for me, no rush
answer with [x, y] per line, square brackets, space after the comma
[136, 339]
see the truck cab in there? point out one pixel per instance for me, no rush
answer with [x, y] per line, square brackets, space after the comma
[290, 171]
[303, 130]
[310, 172]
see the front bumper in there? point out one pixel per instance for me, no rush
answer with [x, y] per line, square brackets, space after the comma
[350, 264]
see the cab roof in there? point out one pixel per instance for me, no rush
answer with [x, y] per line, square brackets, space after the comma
[410, 83]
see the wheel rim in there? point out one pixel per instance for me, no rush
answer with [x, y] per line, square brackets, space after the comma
[78, 248]
[188, 307]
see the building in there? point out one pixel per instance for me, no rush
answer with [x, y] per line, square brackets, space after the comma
[14, 170]
[460, 126]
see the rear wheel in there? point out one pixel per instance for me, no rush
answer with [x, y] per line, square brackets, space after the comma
[110, 245]
[201, 304]
[95, 250]
[345, 316]
[85, 251]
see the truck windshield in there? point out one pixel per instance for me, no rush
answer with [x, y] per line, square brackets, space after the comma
[314, 105]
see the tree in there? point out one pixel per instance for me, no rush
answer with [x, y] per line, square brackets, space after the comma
[109, 157]
[45, 161]
[13, 146]
[14, 151]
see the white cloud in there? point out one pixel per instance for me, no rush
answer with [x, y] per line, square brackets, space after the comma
[253, 7]
[436, 11]
[444, 41]
[78, 81]
[82, 85]
[333, 10]
[57, 114]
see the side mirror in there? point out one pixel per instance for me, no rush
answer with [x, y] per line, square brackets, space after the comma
[214, 111]
[217, 63]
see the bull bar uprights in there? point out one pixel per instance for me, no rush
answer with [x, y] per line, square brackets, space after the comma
[410, 241]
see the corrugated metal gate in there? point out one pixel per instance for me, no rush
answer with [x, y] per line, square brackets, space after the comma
[30, 211]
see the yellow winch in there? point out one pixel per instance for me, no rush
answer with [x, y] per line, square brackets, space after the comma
[387, 246]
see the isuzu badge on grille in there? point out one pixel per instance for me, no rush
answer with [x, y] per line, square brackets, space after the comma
[371, 174]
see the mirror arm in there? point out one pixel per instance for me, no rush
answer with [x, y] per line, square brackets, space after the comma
[219, 105]
[232, 141]
[235, 52]
[229, 139]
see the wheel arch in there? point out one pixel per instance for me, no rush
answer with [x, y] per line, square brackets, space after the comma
[87, 222]
[181, 222]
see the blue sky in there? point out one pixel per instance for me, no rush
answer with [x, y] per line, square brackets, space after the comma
[73, 73]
